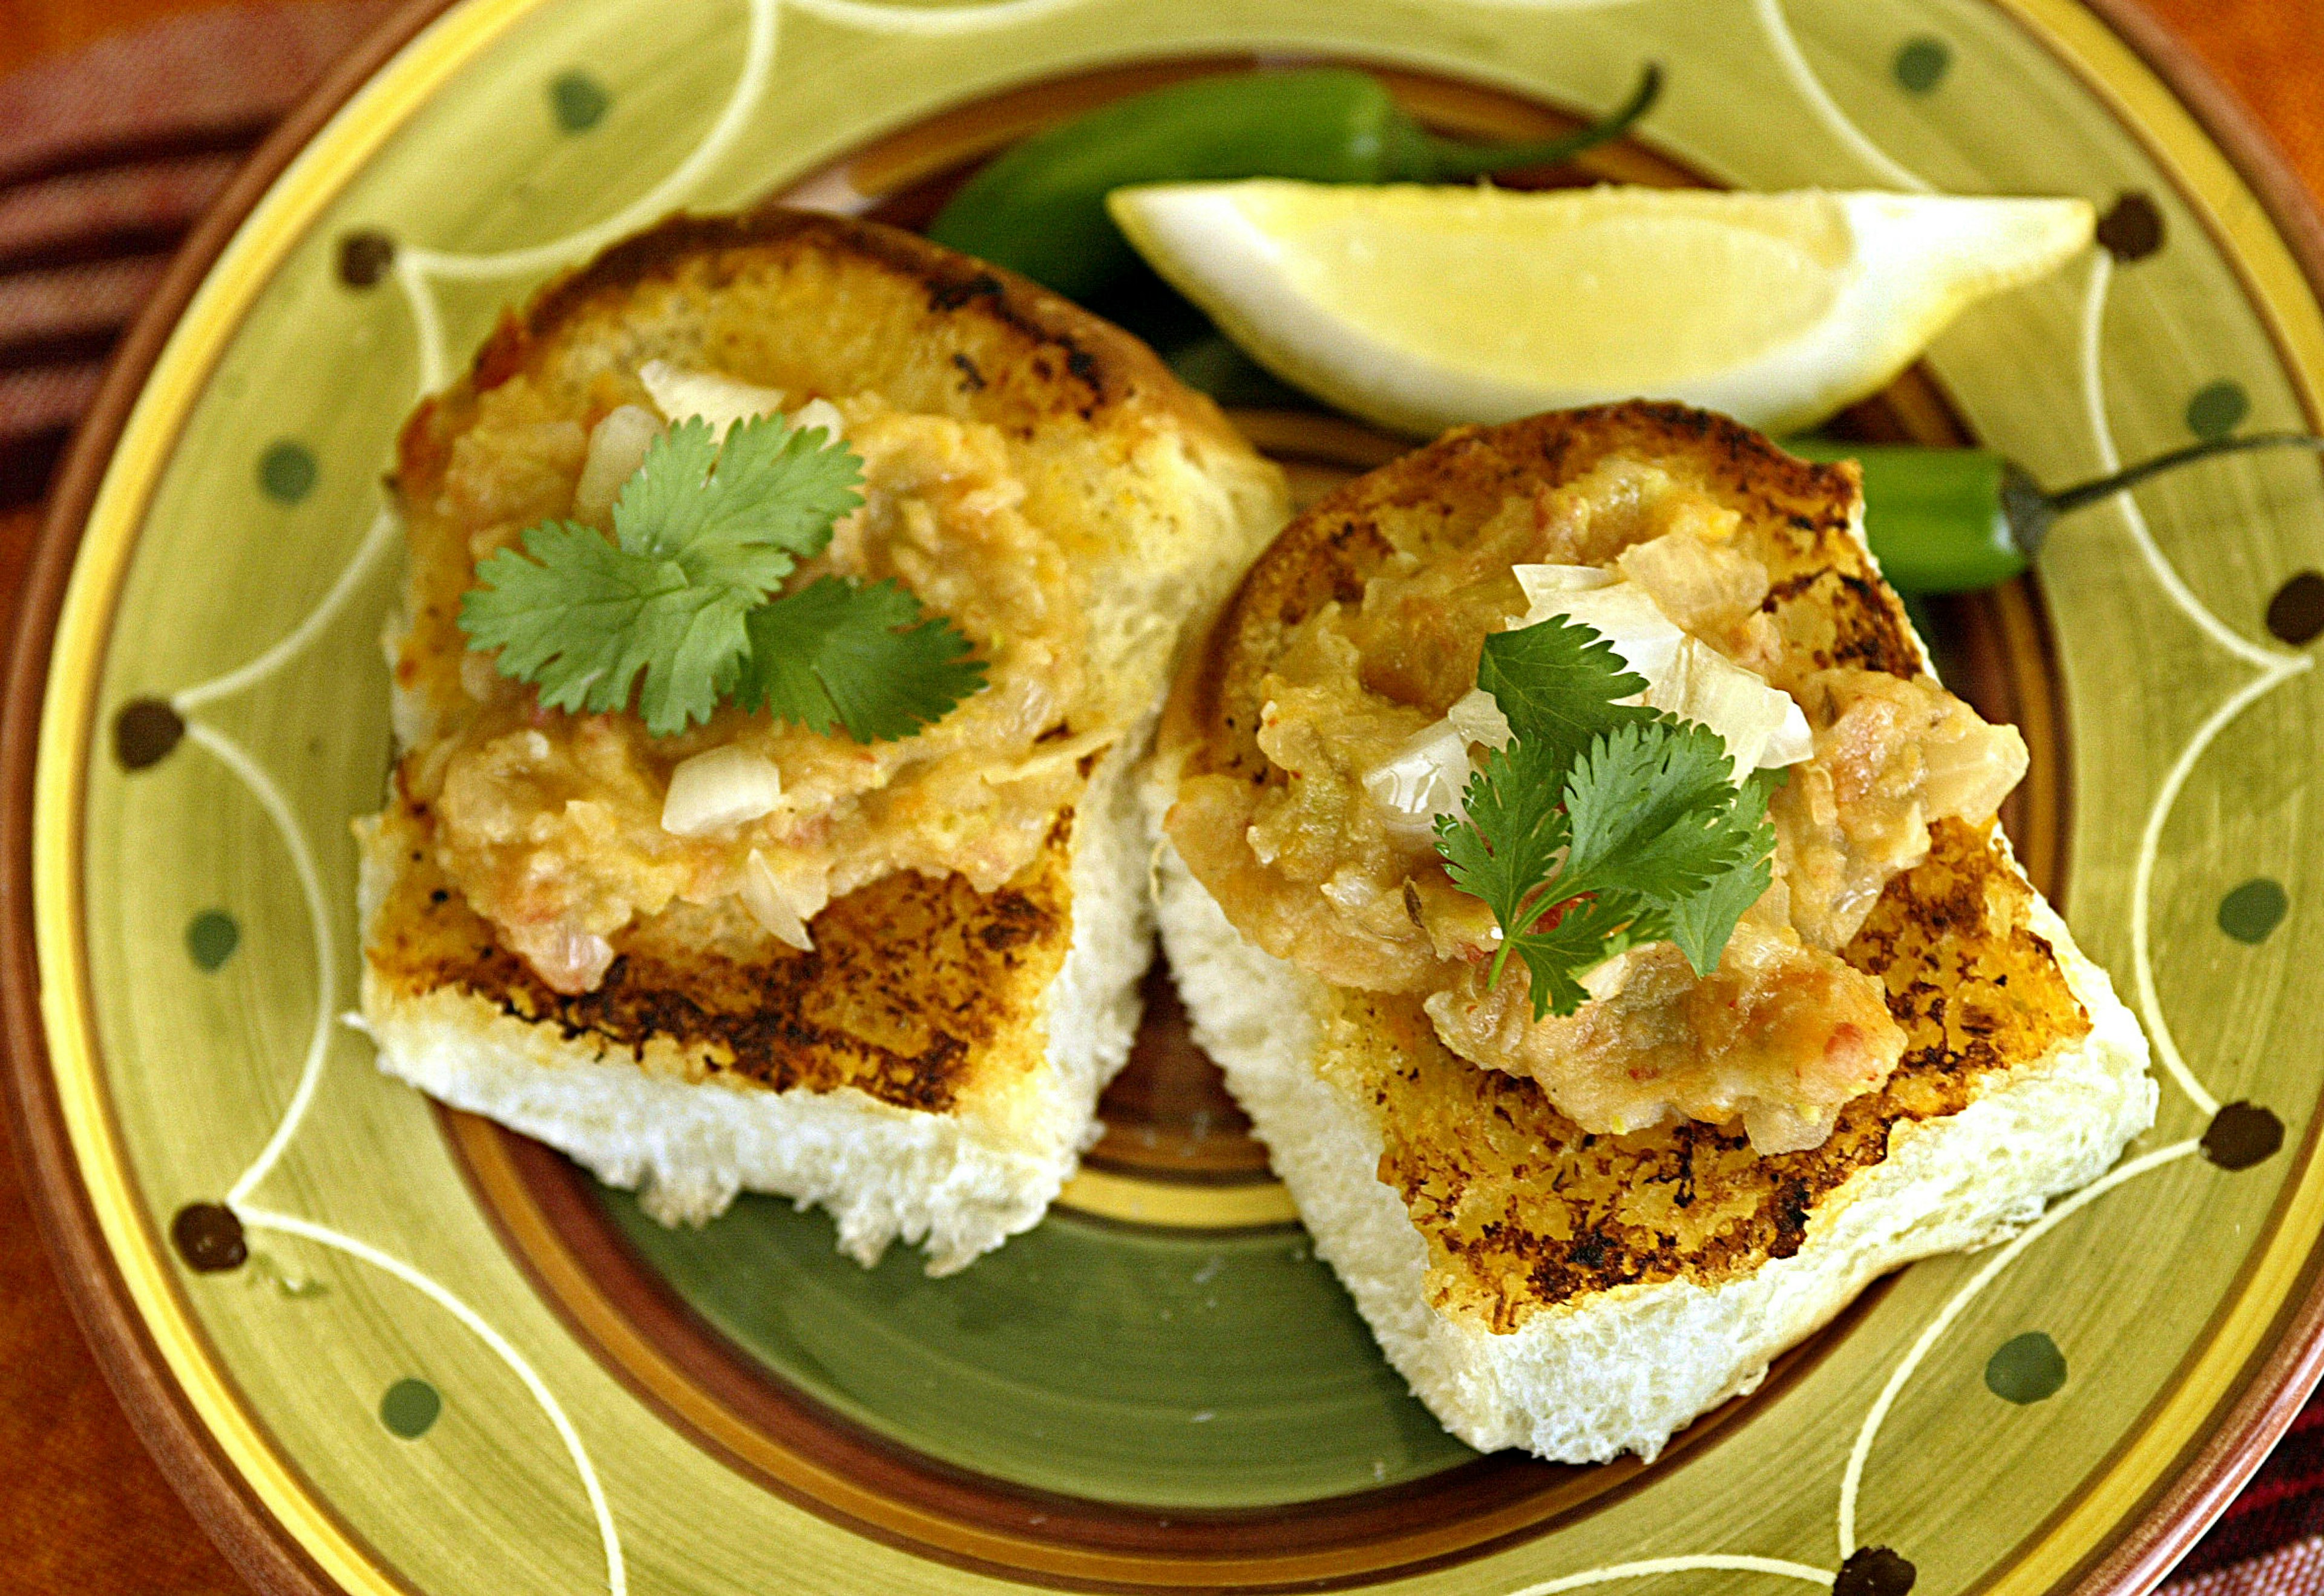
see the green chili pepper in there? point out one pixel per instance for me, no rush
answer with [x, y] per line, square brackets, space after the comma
[1953, 520]
[1039, 209]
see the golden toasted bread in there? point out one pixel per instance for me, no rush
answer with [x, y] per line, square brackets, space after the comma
[1582, 1294]
[929, 1069]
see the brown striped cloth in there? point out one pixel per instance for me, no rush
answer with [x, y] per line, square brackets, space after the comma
[109, 157]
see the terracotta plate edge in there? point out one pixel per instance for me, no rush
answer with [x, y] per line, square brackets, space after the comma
[253, 1540]
[258, 1545]
[2224, 1461]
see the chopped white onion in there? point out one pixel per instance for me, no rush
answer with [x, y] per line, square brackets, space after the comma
[1477, 715]
[782, 903]
[1793, 741]
[1625, 615]
[820, 413]
[570, 960]
[1422, 780]
[1686, 676]
[723, 788]
[1540, 581]
[1706, 686]
[1762, 727]
[1608, 977]
[721, 401]
[617, 448]
[1693, 580]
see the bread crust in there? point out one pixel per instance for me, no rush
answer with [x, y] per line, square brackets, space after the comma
[922, 997]
[770, 1017]
[1524, 1212]
[1621, 1368]
[1521, 1228]
[931, 329]
[1827, 596]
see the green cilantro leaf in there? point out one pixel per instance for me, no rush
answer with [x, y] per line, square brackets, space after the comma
[581, 619]
[1511, 842]
[1556, 683]
[1590, 931]
[1646, 806]
[1602, 826]
[864, 657]
[1701, 924]
[764, 501]
[703, 534]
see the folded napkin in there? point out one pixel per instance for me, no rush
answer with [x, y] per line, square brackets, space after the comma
[2270, 1541]
[109, 156]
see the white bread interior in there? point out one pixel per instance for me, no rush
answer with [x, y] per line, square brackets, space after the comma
[960, 1183]
[1623, 1370]
[1164, 504]
[1585, 1376]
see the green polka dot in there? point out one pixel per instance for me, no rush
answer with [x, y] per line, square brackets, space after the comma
[211, 937]
[287, 471]
[579, 100]
[2028, 1368]
[2218, 409]
[2252, 910]
[410, 1408]
[1922, 64]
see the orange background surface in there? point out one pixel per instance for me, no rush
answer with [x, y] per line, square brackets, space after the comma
[82, 1509]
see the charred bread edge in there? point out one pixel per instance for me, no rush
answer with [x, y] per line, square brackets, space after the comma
[962, 1183]
[1192, 724]
[1104, 366]
[1622, 1369]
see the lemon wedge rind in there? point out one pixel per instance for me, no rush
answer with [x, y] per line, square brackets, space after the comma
[1419, 307]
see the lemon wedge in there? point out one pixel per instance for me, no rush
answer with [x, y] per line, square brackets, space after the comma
[1419, 307]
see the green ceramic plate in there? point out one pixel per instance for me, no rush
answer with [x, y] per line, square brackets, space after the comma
[386, 1349]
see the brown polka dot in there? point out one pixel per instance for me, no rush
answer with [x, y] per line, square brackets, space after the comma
[208, 1237]
[2242, 1134]
[2131, 230]
[2296, 612]
[144, 733]
[364, 256]
[1874, 1571]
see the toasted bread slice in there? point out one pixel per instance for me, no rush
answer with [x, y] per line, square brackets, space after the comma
[1582, 1296]
[930, 1069]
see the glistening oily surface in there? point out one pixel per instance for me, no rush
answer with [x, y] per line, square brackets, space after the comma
[365, 1270]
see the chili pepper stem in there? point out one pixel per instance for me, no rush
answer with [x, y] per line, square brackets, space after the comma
[1450, 158]
[2089, 492]
[1957, 520]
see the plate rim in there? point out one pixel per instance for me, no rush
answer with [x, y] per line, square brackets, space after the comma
[2201, 1491]
[261, 1548]
[267, 1551]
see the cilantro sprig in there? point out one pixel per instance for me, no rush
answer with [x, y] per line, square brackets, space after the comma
[1602, 826]
[860, 656]
[677, 609]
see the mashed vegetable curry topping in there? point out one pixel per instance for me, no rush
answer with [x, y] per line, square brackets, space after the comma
[562, 829]
[1325, 862]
